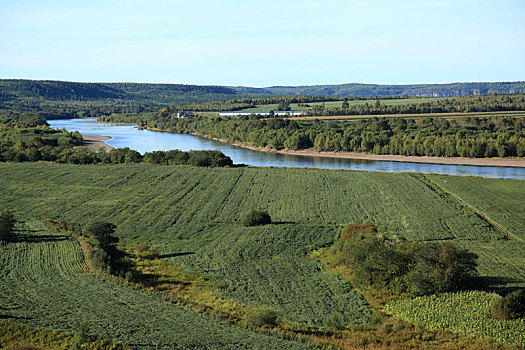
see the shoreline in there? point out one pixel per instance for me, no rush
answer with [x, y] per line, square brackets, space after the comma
[111, 123]
[492, 162]
[94, 142]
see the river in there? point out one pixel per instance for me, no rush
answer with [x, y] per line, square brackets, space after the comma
[147, 141]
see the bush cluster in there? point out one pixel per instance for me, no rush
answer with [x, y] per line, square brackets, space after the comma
[256, 218]
[511, 307]
[417, 268]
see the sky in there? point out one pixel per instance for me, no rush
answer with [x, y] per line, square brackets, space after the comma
[263, 43]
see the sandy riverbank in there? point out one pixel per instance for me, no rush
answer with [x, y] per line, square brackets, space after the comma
[502, 162]
[112, 123]
[94, 142]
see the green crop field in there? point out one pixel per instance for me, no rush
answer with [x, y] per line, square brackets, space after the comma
[466, 313]
[44, 282]
[193, 216]
[296, 107]
[500, 201]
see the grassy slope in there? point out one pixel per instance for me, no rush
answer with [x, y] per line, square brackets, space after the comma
[39, 289]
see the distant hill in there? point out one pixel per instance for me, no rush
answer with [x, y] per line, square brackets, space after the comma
[422, 90]
[42, 94]
[63, 93]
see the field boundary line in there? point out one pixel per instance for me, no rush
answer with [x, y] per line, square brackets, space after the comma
[453, 198]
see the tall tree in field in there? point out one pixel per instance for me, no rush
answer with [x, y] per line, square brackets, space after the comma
[7, 224]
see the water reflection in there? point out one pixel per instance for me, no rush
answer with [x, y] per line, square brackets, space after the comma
[146, 141]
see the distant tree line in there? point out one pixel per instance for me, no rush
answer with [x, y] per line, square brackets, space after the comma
[464, 137]
[243, 103]
[461, 104]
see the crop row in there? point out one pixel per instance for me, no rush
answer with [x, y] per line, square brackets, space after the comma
[265, 266]
[163, 203]
[43, 283]
[500, 201]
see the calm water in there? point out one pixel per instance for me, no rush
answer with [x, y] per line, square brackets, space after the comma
[146, 141]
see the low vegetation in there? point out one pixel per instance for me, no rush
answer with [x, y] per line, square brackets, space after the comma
[466, 313]
[15, 336]
[49, 286]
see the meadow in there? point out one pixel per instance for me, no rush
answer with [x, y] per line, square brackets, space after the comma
[193, 218]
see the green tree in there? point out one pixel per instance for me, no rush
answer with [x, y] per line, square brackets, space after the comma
[102, 232]
[7, 224]
[441, 268]
[257, 217]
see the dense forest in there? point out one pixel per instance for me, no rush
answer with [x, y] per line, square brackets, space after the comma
[479, 136]
[465, 137]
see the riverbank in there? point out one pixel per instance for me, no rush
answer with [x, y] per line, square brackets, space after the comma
[94, 142]
[497, 162]
[111, 123]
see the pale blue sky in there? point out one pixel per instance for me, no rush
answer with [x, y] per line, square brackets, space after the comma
[263, 43]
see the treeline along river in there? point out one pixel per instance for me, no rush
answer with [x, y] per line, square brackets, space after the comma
[147, 141]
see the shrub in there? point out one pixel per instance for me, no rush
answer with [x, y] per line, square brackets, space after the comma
[511, 307]
[257, 217]
[261, 317]
[99, 260]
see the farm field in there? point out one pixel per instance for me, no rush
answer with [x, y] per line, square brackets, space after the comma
[466, 313]
[296, 107]
[192, 217]
[40, 289]
[502, 202]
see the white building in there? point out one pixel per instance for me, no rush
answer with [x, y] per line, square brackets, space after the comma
[184, 114]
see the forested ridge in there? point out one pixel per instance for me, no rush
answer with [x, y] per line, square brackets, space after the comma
[64, 95]
[37, 94]
[427, 90]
